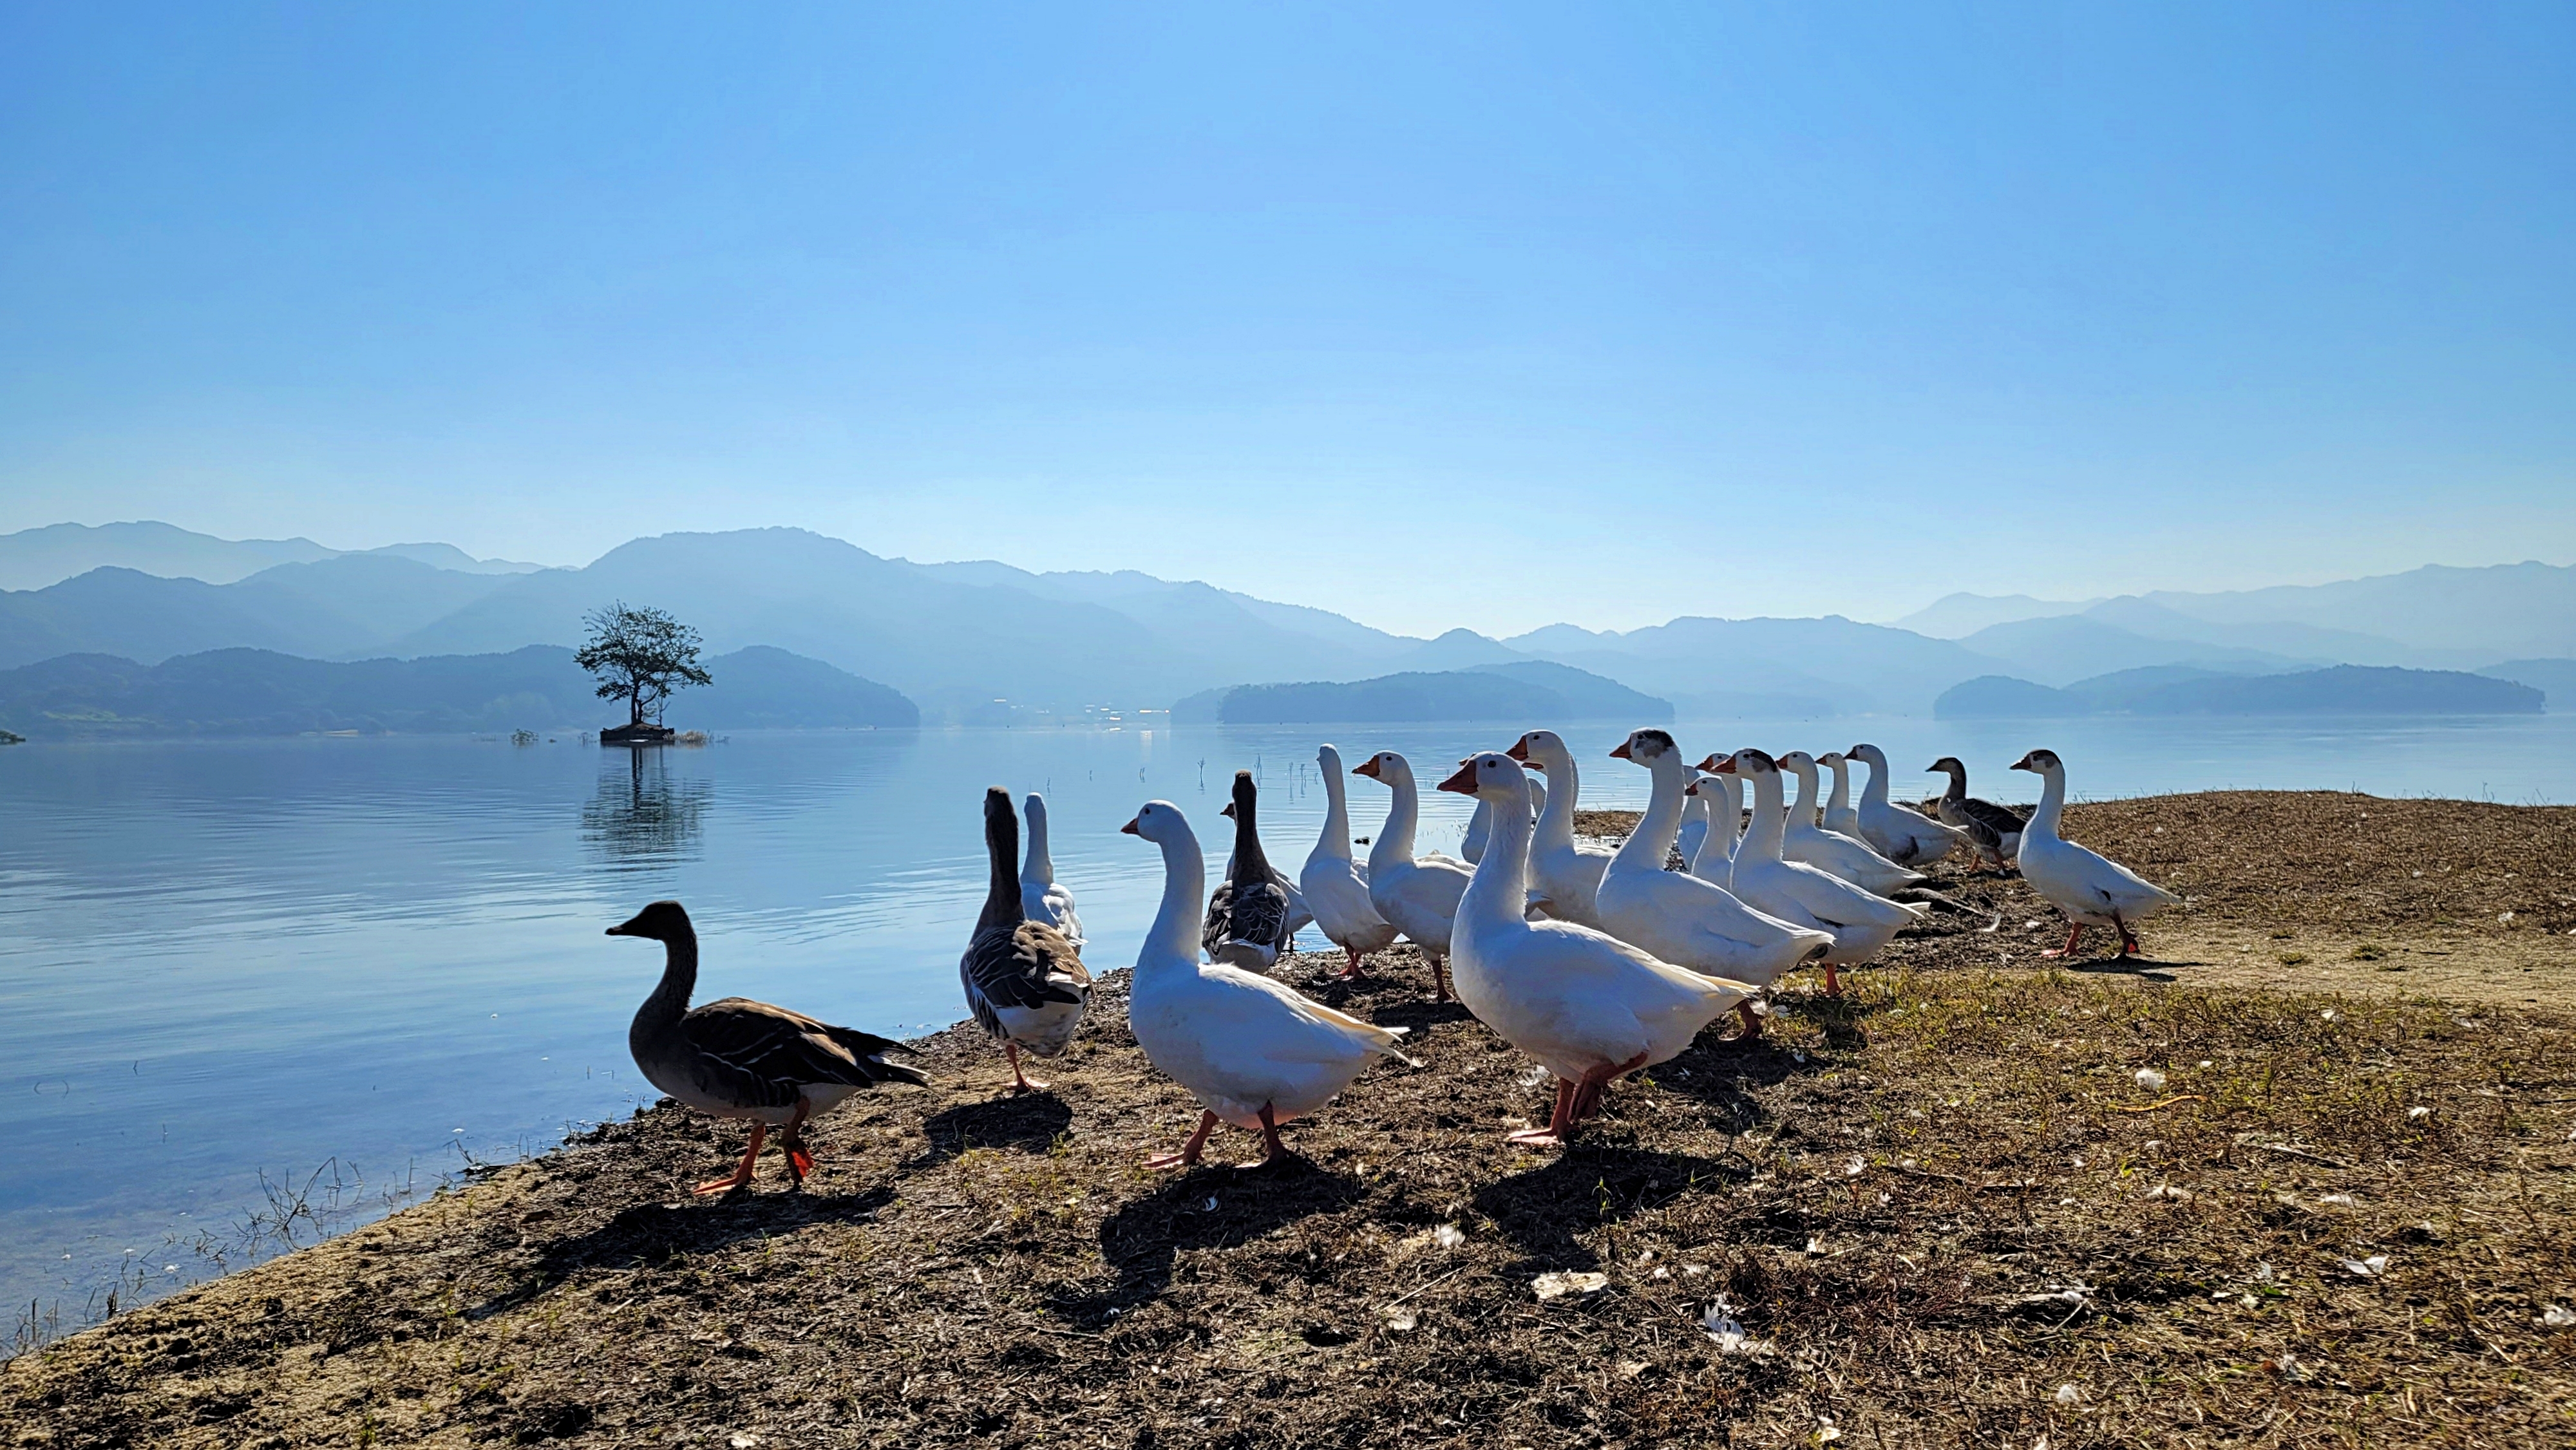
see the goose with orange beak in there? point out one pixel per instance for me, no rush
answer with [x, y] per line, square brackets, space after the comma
[1589, 1007]
[1255, 1053]
[1563, 871]
[2089, 887]
[1419, 894]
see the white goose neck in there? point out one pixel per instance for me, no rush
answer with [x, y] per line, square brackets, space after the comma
[1041, 863]
[1840, 799]
[1770, 820]
[1805, 810]
[2052, 803]
[1173, 941]
[1556, 822]
[1873, 787]
[1403, 816]
[1652, 841]
[1498, 894]
[1336, 839]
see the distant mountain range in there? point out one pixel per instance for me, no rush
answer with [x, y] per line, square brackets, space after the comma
[983, 641]
[1526, 690]
[260, 692]
[2182, 690]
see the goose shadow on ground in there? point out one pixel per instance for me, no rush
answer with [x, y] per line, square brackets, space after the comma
[1531, 1209]
[1210, 1207]
[1022, 1122]
[2145, 969]
[652, 1233]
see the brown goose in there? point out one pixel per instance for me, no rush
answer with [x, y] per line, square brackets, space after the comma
[1248, 919]
[1024, 981]
[743, 1059]
[1995, 831]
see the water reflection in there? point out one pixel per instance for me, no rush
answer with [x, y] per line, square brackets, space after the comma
[644, 814]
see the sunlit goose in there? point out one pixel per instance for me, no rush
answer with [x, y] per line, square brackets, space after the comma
[1024, 982]
[1335, 886]
[1042, 897]
[2092, 889]
[1694, 827]
[1481, 824]
[1994, 831]
[1905, 836]
[1715, 860]
[1247, 918]
[1564, 873]
[1845, 856]
[1418, 894]
[743, 1059]
[1589, 1007]
[1859, 922]
[1683, 919]
[1253, 1052]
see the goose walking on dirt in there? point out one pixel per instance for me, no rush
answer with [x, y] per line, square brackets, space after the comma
[1247, 921]
[1042, 897]
[1860, 922]
[1591, 1008]
[1024, 982]
[1417, 893]
[1845, 856]
[1996, 832]
[1335, 886]
[737, 1058]
[2091, 888]
[1904, 836]
[1254, 1052]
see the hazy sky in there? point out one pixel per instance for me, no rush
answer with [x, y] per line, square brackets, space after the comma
[1480, 315]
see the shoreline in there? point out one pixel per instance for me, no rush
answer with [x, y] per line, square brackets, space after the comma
[978, 1269]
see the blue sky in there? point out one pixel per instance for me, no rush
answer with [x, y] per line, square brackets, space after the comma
[1482, 316]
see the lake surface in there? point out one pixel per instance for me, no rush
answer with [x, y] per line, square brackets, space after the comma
[226, 965]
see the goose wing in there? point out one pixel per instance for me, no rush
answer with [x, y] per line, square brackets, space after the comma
[1025, 966]
[764, 1056]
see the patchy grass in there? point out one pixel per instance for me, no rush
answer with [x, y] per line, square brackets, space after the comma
[1942, 1210]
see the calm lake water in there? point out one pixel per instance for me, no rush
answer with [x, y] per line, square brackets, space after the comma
[229, 961]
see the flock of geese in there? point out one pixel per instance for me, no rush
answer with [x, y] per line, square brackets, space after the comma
[1595, 961]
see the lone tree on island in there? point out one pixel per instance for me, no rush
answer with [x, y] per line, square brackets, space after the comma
[640, 655]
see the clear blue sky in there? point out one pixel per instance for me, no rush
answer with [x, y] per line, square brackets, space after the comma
[1479, 315]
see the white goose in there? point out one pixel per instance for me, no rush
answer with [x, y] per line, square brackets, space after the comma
[1041, 896]
[1906, 837]
[1716, 858]
[1565, 874]
[1481, 825]
[1694, 827]
[2092, 889]
[1682, 919]
[1839, 816]
[1254, 1052]
[1335, 886]
[1860, 923]
[1418, 894]
[1852, 860]
[1589, 1007]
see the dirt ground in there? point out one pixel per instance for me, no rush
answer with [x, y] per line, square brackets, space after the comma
[1943, 1209]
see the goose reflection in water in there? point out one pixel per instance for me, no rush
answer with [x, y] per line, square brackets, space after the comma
[644, 815]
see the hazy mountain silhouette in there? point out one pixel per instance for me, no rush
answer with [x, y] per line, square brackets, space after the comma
[2181, 690]
[1522, 690]
[34, 558]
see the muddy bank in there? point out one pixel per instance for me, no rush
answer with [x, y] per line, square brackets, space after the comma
[1930, 1207]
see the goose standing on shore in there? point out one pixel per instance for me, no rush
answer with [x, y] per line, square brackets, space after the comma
[1995, 832]
[1565, 873]
[1849, 858]
[1695, 827]
[1418, 894]
[1254, 1052]
[1247, 919]
[1024, 982]
[1589, 1007]
[1839, 816]
[1335, 886]
[2091, 888]
[1683, 919]
[1860, 923]
[737, 1058]
[1042, 897]
[1903, 835]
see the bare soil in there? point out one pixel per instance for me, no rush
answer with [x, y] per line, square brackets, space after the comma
[1944, 1209]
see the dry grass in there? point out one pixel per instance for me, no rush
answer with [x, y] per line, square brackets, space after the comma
[1930, 1204]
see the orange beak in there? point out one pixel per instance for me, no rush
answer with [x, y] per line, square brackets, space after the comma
[1691, 789]
[1716, 766]
[1464, 782]
[1366, 767]
[1619, 751]
[1520, 749]
[1129, 829]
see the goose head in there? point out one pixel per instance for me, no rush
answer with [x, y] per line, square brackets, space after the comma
[2039, 762]
[1869, 755]
[1647, 748]
[1949, 765]
[1833, 759]
[1240, 808]
[1539, 747]
[1798, 763]
[1747, 763]
[1160, 822]
[1491, 776]
[1386, 767]
[663, 921]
